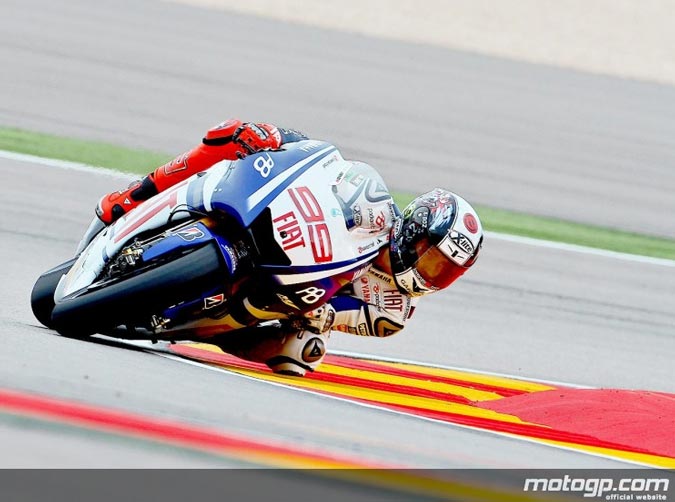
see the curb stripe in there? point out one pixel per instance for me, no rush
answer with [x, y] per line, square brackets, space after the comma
[413, 389]
[500, 386]
[267, 453]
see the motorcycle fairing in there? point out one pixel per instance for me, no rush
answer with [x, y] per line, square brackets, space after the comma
[245, 188]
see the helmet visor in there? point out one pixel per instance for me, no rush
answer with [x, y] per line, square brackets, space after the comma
[435, 268]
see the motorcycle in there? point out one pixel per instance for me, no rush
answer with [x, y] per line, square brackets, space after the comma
[268, 234]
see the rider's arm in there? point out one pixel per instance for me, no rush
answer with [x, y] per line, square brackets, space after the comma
[371, 306]
[229, 140]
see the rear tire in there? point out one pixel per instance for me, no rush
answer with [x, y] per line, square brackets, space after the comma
[140, 296]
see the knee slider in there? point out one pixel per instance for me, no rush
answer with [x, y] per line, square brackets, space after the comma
[299, 352]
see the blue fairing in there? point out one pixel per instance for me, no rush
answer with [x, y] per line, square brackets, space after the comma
[194, 235]
[190, 236]
[253, 182]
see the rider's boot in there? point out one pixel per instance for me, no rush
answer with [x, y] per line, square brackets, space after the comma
[116, 204]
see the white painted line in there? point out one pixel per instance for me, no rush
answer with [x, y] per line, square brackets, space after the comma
[580, 249]
[64, 164]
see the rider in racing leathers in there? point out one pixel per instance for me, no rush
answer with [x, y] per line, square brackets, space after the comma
[433, 242]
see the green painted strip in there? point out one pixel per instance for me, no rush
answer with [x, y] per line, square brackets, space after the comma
[497, 220]
[93, 153]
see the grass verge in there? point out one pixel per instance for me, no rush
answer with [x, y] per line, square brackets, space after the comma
[94, 153]
[497, 220]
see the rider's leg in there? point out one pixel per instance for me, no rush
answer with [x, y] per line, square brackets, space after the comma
[286, 352]
[229, 140]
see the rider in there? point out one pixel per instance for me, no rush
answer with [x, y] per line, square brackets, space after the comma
[433, 242]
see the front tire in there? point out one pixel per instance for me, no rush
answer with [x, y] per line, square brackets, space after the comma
[139, 296]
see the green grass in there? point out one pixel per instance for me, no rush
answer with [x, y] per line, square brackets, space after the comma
[497, 220]
[94, 153]
[552, 229]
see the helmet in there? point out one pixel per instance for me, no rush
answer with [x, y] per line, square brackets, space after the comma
[435, 240]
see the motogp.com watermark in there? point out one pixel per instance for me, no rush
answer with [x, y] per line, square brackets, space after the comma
[603, 488]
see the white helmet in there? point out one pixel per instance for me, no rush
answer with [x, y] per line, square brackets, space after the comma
[435, 240]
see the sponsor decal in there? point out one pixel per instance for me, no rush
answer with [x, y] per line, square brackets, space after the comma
[381, 275]
[356, 180]
[398, 226]
[311, 295]
[190, 234]
[288, 228]
[358, 218]
[213, 301]
[393, 300]
[380, 220]
[392, 211]
[376, 221]
[470, 223]
[365, 290]
[263, 165]
[362, 249]
[462, 242]
[450, 246]
[313, 350]
[285, 299]
[311, 145]
[340, 177]
[233, 256]
[311, 212]
[386, 327]
[362, 329]
[177, 164]
[330, 160]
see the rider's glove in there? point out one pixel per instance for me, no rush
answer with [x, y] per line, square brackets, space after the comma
[256, 137]
[320, 319]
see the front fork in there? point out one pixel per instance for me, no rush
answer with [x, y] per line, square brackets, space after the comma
[237, 257]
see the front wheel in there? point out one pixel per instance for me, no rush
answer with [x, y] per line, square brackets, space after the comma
[42, 296]
[139, 296]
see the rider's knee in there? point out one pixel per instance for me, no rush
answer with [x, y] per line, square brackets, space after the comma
[285, 352]
[298, 353]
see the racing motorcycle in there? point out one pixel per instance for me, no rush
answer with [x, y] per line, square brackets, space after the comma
[271, 229]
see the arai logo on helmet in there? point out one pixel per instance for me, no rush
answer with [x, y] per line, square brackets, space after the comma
[470, 223]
